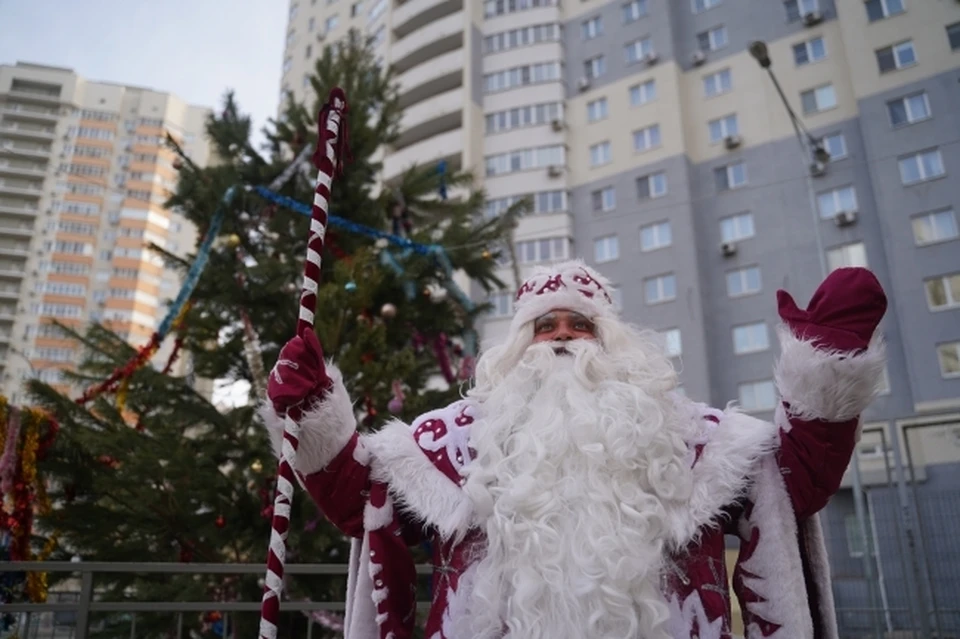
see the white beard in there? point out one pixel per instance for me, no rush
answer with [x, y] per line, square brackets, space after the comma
[572, 465]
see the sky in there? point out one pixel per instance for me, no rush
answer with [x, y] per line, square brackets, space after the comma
[196, 49]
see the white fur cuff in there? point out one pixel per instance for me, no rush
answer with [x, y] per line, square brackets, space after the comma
[324, 429]
[827, 384]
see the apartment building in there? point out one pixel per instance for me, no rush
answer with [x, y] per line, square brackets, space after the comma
[83, 177]
[656, 148]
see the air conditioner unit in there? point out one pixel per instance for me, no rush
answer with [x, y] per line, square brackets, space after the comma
[812, 18]
[584, 83]
[698, 58]
[732, 141]
[728, 249]
[845, 218]
[651, 58]
[321, 36]
[554, 171]
[818, 169]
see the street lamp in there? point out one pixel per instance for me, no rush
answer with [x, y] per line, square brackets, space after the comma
[811, 148]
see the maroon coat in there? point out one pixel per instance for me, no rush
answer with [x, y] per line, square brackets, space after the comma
[761, 481]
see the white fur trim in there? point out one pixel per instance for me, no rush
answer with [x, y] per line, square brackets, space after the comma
[732, 450]
[376, 518]
[358, 618]
[825, 384]
[324, 429]
[414, 481]
[776, 560]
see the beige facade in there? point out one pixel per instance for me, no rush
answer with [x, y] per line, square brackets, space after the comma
[83, 177]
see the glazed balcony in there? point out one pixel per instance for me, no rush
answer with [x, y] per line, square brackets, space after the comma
[429, 42]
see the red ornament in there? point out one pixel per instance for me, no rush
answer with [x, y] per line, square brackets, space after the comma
[221, 522]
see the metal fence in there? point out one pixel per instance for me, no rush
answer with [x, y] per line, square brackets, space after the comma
[69, 613]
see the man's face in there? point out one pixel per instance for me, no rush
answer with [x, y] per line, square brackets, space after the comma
[561, 325]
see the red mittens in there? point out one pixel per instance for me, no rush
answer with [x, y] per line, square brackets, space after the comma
[843, 312]
[299, 374]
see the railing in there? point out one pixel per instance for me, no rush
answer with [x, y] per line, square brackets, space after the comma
[87, 602]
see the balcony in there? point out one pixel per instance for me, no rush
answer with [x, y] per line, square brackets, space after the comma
[21, 187]
[415, 14]
[29, 112]
[439, 75]
[446, 146]
[11, 208]
[38, 151]
[38, 97]
[431, 41]
[12, 270]
[434, 115]
[12, 248]
[29, 131]
[21, 169]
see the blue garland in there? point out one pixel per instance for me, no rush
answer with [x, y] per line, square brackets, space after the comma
[196, 269]
[428, 250]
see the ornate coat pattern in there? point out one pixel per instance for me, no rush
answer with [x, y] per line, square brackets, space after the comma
[761, 481]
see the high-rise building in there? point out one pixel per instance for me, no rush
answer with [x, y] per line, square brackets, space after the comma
[84, 173]
[657, 149]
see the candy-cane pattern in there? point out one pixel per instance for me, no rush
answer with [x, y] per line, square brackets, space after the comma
[330, 145]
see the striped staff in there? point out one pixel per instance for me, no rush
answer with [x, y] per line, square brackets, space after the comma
[331, 148]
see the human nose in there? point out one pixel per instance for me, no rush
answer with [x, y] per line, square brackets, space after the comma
[564, 334]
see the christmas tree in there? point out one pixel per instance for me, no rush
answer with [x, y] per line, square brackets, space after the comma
[155, 471]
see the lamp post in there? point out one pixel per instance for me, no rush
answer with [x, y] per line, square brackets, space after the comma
[811, 148]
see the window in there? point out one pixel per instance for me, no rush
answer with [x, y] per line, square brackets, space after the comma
[355, 9]
[655, 236]
[857, 536]
[604, 199]
[634, 11]
[836, 146]
[590, 29]
[703, 5]
[306, 80]
[712, 39]
[308, 52]
[796, 9]
[287, 63]
[943, 292]
[332, 22]
[896, 57]
[909, 109]
[949, 356]
[757, 396]
[542, 250]
[920, 167]
[809, 51]
[600, 154]
[717, 83]
[832, 202]
[493, 8]
[597, 110]
[662, 288]
[530, 115]
[651, 186]
[743, 281]
[953, 36]
[672, 344]
[938, 226]
[502, 302]
[819, 99]
[606, 249]
[521, 76]
[524, 36]
[880, 9]
[550, 202]
[642, 93]
[525, 159]
[750, 338]
[722, 127]
[637, 50]
[595, 67]
[736, 227]
[854, 254]
[311, 24]
[730, 177]
[646, 138]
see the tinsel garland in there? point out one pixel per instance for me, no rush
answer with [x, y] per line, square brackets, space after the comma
[29, 434]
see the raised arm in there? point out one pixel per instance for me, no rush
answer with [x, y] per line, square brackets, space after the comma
[829, 370]
[332, 463]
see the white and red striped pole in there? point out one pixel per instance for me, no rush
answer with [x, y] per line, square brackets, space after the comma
[331, 145]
